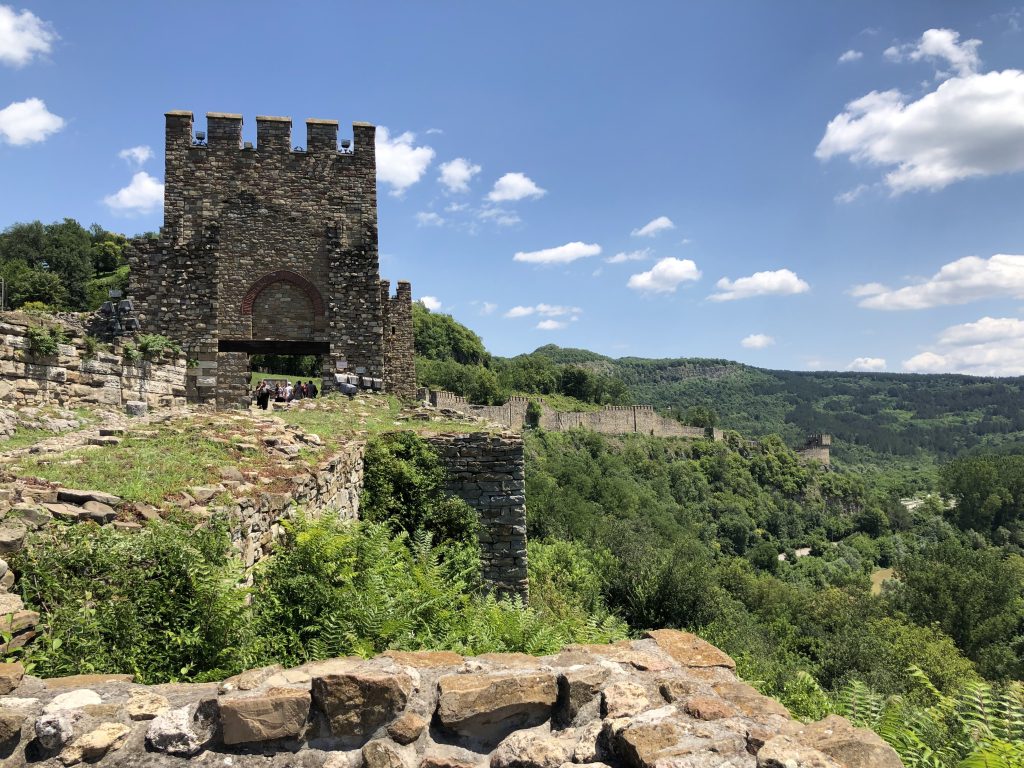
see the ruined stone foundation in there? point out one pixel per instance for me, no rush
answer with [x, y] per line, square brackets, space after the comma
[667, 701]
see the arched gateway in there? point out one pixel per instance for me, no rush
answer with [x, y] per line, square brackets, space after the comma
[272, 249]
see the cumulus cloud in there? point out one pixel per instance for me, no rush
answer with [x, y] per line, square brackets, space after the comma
[781, 282]
[970, 126]
[550, 325]
[622, 257]
[988, 347]
[545, 310]
[428, 219]
[867, 364]
[940, 45]
[850, 55]
[514, 186]
[563, 254]
[400, 163]
[653, 227]
[757, 341]
[456, 174]
[142, 195]
[27, 122]
[959, 282]
[136, 155]
[665, 276]
[500, 216]
[430, 302]
[23, 36]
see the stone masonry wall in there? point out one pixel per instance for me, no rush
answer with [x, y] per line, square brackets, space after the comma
[332, 488]
[669, 700]
[611, 420]
[71, 378]
[489, 472]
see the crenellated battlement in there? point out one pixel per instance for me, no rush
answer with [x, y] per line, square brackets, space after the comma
[273, 135]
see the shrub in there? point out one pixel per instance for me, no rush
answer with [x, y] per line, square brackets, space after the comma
[152, 345]
[91, 347]
[156, 603]
[130, 353]
[43, 342]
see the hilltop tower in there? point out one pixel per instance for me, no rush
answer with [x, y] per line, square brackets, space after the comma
[272, 249]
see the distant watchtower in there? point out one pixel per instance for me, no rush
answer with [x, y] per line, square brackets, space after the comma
[272, 249]
[818, 448]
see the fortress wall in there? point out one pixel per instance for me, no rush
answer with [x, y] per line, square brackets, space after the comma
[489, 472]
[71, 377]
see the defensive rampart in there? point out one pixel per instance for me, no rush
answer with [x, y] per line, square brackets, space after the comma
[610, 420]
[76, 376]
[670, 700]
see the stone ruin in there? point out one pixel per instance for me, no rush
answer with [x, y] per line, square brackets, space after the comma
[271, 249]
[669, 700]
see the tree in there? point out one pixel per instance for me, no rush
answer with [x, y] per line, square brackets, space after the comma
[700, 416]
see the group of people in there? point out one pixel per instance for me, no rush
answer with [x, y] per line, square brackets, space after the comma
[283, 392]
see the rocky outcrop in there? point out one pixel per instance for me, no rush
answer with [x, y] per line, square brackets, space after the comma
[669, 700]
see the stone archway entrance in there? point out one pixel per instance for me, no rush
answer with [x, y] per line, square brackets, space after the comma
[283, 314]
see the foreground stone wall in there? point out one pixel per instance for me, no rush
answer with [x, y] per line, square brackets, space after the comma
[489, 473]
[72, 378]
[670, 700]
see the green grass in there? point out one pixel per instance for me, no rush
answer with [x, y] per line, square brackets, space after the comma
[336, 418]
[148, 469]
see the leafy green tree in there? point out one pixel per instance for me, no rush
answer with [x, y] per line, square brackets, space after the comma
[440, 337]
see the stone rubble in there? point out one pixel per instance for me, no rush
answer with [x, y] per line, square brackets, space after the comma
[669, 700]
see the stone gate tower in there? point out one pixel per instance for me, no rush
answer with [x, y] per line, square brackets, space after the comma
[272, 249]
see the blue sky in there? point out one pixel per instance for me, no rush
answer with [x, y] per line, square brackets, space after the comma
[793, 184]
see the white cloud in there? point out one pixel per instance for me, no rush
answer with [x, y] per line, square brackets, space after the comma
[969, 126]
[456, 207]
[757, 341]
[622, 257]
[399, 162]
[514, 186]
[867, 364]
[431, 131]
[430, 302]
[136, 155]
[665, 276]
[781, 282]
[500, 216]
[988, 347]
[850, 55]
[550, 325]
[26, 122]
[852, 194]
[867, 289]
[653, 227]
[959, 282]
[142, 195]
[456, 174]
[940, 45]
[428, 219]
[563, 254]
[487, 307]
[22, 36]
[546, 310]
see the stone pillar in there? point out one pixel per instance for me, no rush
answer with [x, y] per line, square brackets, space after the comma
[489, 473]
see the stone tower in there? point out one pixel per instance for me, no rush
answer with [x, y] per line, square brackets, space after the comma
[272, 249]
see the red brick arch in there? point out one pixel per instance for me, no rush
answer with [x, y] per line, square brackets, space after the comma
[286, 276]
